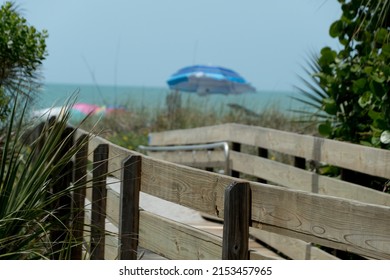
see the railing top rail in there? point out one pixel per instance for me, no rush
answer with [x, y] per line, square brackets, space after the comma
[360, 158]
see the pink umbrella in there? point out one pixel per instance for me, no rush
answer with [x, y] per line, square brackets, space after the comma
[81, 110]
[87, 109]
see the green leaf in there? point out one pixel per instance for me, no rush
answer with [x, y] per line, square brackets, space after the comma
[381, 35]
[356, 68]
[325, 129]
[377, 88]
[368, 70]
[380, 123]
[386, 50]
[330, 106]
[365, 99]
[336, 29]
[327, 56]
[374, 115]
[359, 85]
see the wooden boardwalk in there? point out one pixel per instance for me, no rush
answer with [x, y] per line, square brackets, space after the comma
[289, 206]
[186, 216]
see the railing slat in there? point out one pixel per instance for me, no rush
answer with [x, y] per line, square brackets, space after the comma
[99, 196]
[80, 181]
[129, 208]
[62, 205]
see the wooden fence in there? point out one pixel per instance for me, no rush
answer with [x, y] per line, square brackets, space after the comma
[304, 209]
[359, 166]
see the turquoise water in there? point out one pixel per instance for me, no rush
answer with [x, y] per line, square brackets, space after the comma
[153, 98]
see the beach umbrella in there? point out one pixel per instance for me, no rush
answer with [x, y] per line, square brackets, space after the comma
[204, 79]
[79, 111]
[87, 109]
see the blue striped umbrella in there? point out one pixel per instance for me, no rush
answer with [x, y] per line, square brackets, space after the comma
[204, 79]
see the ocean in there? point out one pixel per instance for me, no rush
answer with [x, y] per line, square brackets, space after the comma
[154, 98]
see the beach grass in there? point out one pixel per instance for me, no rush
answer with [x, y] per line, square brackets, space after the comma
[130, 128]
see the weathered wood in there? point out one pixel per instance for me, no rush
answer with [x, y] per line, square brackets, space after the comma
[328, 221]
[293, 248]
[80, 183]
[99, 195]
[201, 159]
[129, 208]
[62, 205]
[376, 161]
[255, 255]
[193, 188]
[116, 154]
[300, 179]
[207, 134]
[174, 240]
[236, 222]
[341, 219]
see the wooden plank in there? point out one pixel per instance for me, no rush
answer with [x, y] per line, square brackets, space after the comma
[291, 247]
[116, 155]
[80, 182]
[256, 255]
[193, 158]
[328, 221]
[175, 240]
[272, 139]
[236, 222]
[129, 208]
[202, 135]
[99, 195]
[299, 179]
[190, 187]
[360, 158]
[368, 160]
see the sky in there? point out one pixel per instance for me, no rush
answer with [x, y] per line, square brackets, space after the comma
[143, 42]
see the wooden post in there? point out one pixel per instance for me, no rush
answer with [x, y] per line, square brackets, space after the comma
[62, 205]
[237, 148]
[264, 154]
[99, 197]
[237, 207]
[129, 208]
[80, 181]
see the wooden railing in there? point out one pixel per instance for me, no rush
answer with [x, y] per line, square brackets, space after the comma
[305, 154]
[289, 219]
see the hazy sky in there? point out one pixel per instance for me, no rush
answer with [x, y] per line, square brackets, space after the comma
[143, 42]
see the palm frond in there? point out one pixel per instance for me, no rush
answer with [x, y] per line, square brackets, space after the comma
[311, 93]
